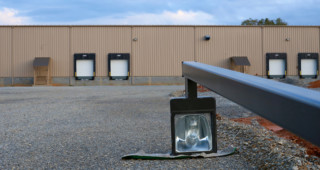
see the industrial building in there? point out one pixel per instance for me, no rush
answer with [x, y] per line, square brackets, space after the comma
[106, 55]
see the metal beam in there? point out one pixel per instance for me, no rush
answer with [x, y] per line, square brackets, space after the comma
[293, 108]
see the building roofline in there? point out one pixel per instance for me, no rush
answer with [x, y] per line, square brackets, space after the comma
[309, 26]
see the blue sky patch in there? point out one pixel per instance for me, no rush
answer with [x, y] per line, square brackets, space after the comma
[155, 12]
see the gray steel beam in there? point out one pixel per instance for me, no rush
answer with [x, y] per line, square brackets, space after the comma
[293, 108]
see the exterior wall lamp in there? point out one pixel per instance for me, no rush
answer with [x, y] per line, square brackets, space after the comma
[207, 37]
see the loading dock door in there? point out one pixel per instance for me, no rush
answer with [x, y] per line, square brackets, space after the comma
[276, 65]
[308, 65]
[118, 66]
[84, 66]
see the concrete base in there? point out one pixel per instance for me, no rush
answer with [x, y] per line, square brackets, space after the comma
[102, 81]
[296, 80]
[105, 81]
[99, 81]
[157, 80]
[23, 81]
[60, 81]
[6, 81]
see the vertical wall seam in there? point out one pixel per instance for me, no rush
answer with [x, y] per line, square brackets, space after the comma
[131, 52]
[194, 43]
[70, 55]
[262, 51]
[12, 61]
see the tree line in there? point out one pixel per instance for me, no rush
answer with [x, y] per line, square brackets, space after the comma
[265, 21]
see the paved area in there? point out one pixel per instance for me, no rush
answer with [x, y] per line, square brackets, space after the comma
[92, 127]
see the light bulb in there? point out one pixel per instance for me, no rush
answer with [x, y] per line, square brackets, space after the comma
[192, 130]
[193, 133]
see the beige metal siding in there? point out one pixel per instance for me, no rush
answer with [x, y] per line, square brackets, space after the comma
[302, 39]
[31, 42]
[159, 51]
[101, 41]
[5, 51]
[227, 42]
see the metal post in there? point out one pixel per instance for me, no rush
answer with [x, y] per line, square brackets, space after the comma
[191, 89]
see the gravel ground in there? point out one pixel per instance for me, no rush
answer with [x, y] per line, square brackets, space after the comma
[93, 127]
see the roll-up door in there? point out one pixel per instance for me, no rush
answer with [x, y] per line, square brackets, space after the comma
[119, 66]
[276, 65]
[308, 65]
[84, 66]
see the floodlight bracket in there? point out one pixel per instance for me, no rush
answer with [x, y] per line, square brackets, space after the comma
[191, 89]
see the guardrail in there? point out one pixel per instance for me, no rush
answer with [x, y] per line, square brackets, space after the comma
[293, 108]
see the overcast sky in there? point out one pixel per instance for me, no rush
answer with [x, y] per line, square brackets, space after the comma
[156, 12]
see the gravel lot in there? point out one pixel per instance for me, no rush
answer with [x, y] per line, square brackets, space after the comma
[93, 127]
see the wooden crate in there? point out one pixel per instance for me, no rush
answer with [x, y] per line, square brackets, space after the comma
[42, 71]
[240, 64]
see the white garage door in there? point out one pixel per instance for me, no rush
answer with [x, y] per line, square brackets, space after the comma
[84, 68]
[119, 67]
[276, 67]
[308, 67]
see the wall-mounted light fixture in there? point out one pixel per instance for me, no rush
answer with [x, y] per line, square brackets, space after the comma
[207, 37]
[135, 39]
[287, 39]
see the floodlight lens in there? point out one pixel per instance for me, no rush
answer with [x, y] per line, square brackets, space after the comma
[193, 132]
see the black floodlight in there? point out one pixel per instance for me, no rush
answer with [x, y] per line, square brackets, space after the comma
[193, 125]
[207, 37]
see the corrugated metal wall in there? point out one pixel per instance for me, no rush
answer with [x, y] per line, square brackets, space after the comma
[159, 51]
[5, 51]
[31, 42]
[226, 42]
[301, 39]
[100, 40]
